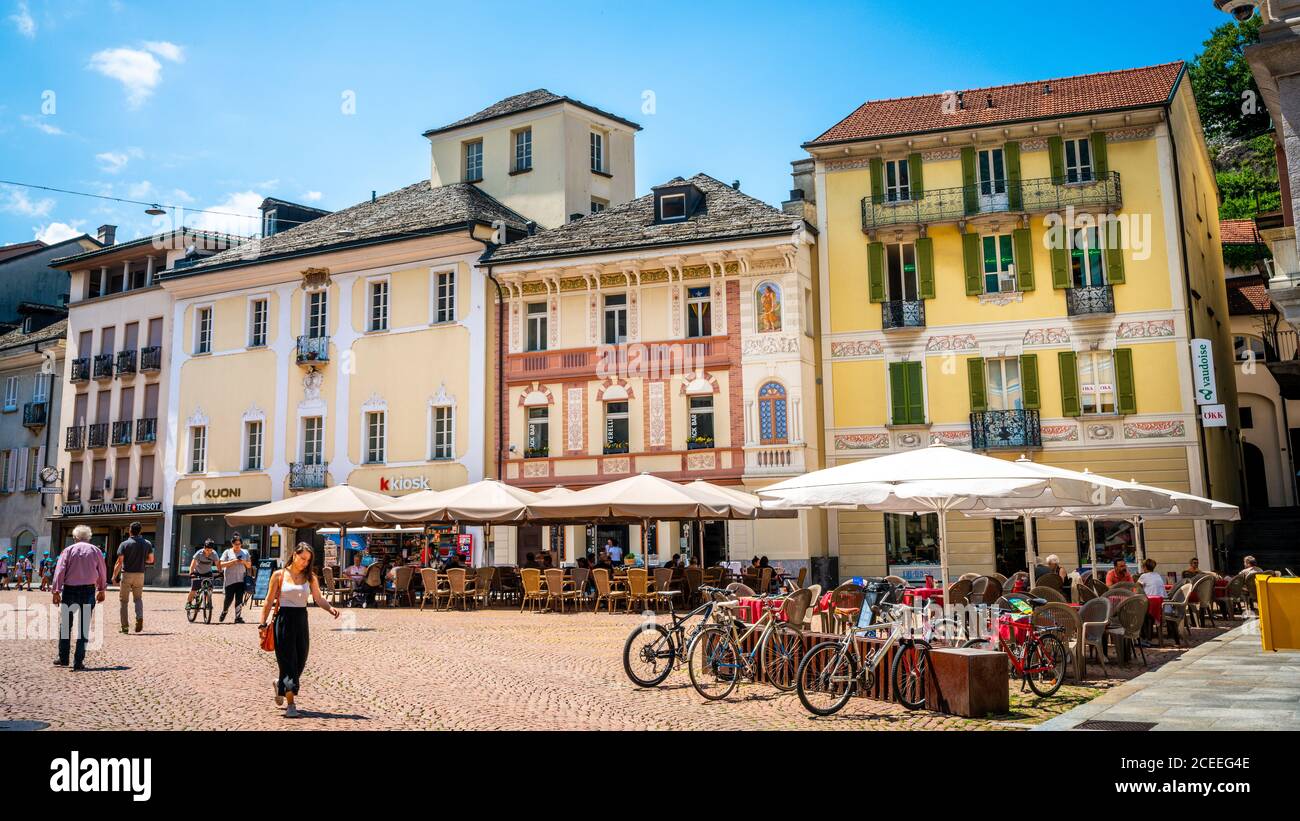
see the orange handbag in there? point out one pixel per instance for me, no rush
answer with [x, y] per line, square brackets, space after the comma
[268, 636]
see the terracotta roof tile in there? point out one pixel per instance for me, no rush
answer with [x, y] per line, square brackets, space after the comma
[1239, 232]
[1248, 295]
[1084, 94]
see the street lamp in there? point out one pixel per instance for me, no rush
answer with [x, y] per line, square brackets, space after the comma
[1242, 10]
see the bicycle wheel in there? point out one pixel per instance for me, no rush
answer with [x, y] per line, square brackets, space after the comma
[207, 607]
[714, 663]
[979, 644]
[1045, 665]
[648, 655]
[826, 678]
[192, 611]
[781, 654]
[910, 669]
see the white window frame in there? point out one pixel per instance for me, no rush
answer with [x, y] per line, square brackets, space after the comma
[900, 249]
[665, 198]
[40, 388]
[303, 424]
[11, 394]
[897, 181]
[706, 301]
[1007, 282]
[536, 326]
[1089, 233]
[254, 444]
[197, 453]
[1082, 171]
[598, 205]
[1098, 392]
[442, 308]
[203, 322]
[324, 295]
[599, 162]
[375, 431]
[442, 433]
[381, 288]
[268, 222]
[625, 415]
[253, 302]
[472, 161]
[522, 149]
[1005, 396]
[605, 310]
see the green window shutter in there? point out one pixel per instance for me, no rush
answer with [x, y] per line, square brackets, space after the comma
[1100, 162]
[1125, 390]
[970, 246]
[1114, 241]
[877, 180]
[915, 176]
[970, 194]
[1015, 197]
[876, 271]
[925, 267]
[1060, 255]
[898, 393]
[1023, 242]
[1069, 364]
[1029, 381]
[975, 377]
[915, 394]
[1056, 157]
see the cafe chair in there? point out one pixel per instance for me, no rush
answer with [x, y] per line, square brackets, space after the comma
[803, 577]
[1051, 580]
[1234, 594]
[333, 594]
[845, 608]
[662, 584]
[530, 579]
[373, 583]
[638, 588]
[692, 580]
[1131, 616]
[1174, 612]
[1047, 593]
[739, 589]
[581, 577]
[1081, 593]
[605, 592]
[970, 577]
[894, 580]
[509, 585]
[462, 590]
[433, 587]
[402, 586]
[1203, 606]
[959, 592]
[1058, 614]
[795, 609]
[1094, 616]
[484, 584]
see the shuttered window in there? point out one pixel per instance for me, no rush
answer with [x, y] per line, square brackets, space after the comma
[906, 393]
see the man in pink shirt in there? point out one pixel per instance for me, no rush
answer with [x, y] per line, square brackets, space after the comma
[80, 578]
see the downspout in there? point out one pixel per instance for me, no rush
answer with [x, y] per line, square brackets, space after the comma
[49, 417]
[501, 372]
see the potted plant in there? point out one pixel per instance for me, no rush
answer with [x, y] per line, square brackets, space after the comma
[699, 442]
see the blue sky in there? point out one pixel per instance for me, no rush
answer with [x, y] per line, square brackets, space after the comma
[217, 105]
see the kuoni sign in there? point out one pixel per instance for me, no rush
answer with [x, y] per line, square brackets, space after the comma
[1203, 383]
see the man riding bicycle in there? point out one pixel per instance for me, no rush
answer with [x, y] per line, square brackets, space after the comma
[203, 566]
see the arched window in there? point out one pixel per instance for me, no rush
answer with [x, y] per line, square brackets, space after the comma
[24, 544]
[771, 414]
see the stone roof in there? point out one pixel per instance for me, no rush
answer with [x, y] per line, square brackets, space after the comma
[529, 100]
[1037, 100]
[17, 339]
[419, 208]
[1239, 232]
[1248, 295]
[19, 249]
[175, 240]
[726, 214]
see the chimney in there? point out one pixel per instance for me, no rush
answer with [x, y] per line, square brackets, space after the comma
[735, 184]
[107, 234]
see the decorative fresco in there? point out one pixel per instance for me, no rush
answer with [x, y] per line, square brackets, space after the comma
[767, 307]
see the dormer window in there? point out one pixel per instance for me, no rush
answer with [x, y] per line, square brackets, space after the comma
[677, 201]
[672, 207]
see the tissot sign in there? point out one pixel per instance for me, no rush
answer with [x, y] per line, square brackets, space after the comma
[109, 508]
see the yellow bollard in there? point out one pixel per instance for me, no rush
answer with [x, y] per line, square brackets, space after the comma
[1279, 612]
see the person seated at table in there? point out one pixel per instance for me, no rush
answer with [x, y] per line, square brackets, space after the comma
[1118, 573]
[546, 560]
[754, 562]
[583, 563]
[1193, 568]
[530, 560]
[673, 562]
[604, 562]
[453, 560]
[355, 572]
[1152, 582]
[1051, 567]
[694, 561]
[1251, 567]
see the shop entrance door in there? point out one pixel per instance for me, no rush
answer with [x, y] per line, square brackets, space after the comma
[1009, 545]
[529, 541]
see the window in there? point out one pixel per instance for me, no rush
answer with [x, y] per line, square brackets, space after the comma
[74, 480]
[598, 205]
[40, 389]
[444, 433]
[616, 429]
[313, 440]
[598, 152]
[912, 538]
[1244, 349]
[121, 477]
[906, 393]
[700, 428]
[444, 298]
[1247, 417]
[257, 323]
[523, 150]
[698, 312]
[536, 320]
[198, 449]
[1002, 384]
[615, 319]
[253, 445]
[474, 161]
[11, 393]
[317, 314]
[144, 482]
[672, 207]
[1078, 160]
[1097, 382]
[1087, 262]
[999, 264]
[539, 433]
[203, 330]
[98, 477]
[1115, 540]
[992, 171]
[772, 414]
[375, 438]
[378, 320]
[900, 258]
[268, 222]
[897, 185]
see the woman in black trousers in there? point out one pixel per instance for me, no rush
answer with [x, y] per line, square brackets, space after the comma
[290, 589]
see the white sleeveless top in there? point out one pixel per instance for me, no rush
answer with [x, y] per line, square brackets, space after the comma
[293, 595]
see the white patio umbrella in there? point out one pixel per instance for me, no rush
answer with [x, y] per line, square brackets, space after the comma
[937, 479]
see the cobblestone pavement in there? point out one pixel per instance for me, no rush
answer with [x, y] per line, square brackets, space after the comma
[405, 669]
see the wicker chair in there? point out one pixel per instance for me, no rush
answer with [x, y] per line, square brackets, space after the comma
[999, 577]
[600, 576]
[1094, 617]
[814, 596]
[332, 592]
[796, 607]
[433, 588]
[765, 575]
[1082, 593]
[581, 584]
[739, 589]
[1132, 615]
[693, 578]
[970, 577]
[845, 607]
[1047, 593]
[530, 580]
[484, 585]
[713, 576]
[1236, 594]
[803, 577]
[1131, 586]
[1174, 612]
[663, 583]
[1010, 584]
[556, 592]
[959, 592]
[462, 589]
[1051, 580]
[638, 587]
[990, 592]
[373, 582]
[898, 580]
[509, 585]
[1057, 614]
[1203, 607]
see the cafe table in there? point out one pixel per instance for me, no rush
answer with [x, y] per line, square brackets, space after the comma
[912, 594]
[749, 609]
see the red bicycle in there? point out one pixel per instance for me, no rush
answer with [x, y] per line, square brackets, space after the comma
[1037, 655]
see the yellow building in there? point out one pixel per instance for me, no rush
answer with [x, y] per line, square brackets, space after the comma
[1022, 269]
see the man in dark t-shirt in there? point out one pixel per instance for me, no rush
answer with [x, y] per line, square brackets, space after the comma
[133, 555]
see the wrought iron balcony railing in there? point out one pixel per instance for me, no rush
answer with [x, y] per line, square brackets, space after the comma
[306, 477]
[97, 435]
[146, 429]
[1003, 429]
[126, 363]
[1091, 301]
[76, 438]
[313, 349]
[102, 366]
[36, 414]
[144, 492]
[151, 358]
[902, 313]
[1037, 195]
[80, 370]
[122, 433]
[615, 447]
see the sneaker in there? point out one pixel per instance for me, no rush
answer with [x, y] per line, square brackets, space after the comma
[125, 630]
[139, 625]
[222, 617]
[78, 668]
[60, 663]
[240, 621]
[291, 712]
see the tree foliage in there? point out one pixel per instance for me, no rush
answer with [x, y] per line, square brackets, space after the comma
[1226, 95]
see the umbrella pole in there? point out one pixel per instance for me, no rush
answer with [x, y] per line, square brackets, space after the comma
[943, 559]
[1030, 550]
[1092, 544]
[1138, 540]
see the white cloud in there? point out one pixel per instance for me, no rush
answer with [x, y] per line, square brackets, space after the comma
[181, 196]
[16, 201]
[245, 204]
[58, 231]
[40, 124]
[137, 70]
[140, 190]
[312, 196]
[111, 162]
[22, 20]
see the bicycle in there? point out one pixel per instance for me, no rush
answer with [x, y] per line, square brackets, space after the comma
[1038, 659]
[831, 670]
[652, 643]
[202, 601]
[716, 663]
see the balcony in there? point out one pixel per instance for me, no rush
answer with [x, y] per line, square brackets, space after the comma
[313, 350]
[307, 477]
[122, 433]
[119, 494]
[80, 370]
[576, 364]
[97, 435]
[144, 492]
[126, 363]
[150, 359]
[537, 453]
[76, 438]
[699, 443]
[1097, 300]
[902, 313]
[146, 430]
[102, 366]
[774, 460]
[1031, 196]
[1005, 430]
[36, 414]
